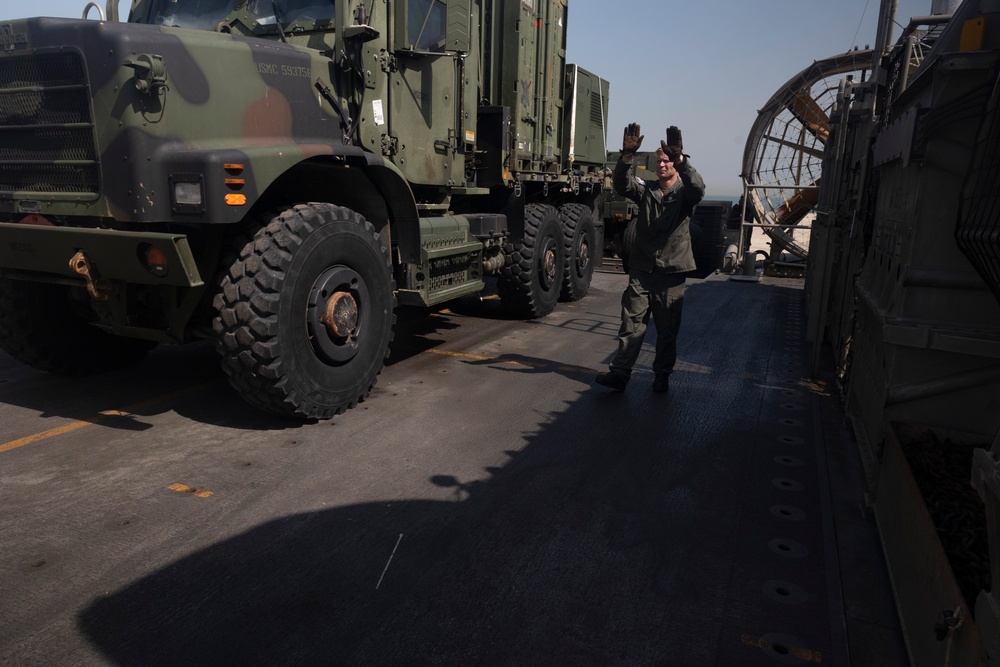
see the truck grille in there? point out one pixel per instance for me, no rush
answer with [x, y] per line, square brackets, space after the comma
[46, 130]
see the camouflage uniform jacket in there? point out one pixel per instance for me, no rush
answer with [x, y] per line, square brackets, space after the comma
[662, 233]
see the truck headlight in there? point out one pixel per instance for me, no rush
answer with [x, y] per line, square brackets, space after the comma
[187, 193]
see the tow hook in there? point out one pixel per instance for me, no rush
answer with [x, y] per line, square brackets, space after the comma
[98, 288]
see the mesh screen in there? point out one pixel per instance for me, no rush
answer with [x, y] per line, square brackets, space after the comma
[46, 131]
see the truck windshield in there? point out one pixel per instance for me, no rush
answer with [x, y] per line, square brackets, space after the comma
[290, 11]
[199, 14]
[206, 14]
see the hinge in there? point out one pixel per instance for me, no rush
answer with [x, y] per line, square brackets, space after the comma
[390, 145]
[388, 62]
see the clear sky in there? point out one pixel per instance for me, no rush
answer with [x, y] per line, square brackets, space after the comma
[707, 66]
[703, 65]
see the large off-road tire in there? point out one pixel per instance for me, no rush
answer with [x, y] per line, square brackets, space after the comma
[42, 326]
[531, 278]
[304, 314]
[580, 242]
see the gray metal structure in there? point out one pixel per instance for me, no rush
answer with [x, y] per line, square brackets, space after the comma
[783, 157]
[904, 290]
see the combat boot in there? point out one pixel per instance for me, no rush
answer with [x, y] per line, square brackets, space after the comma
[612, 381]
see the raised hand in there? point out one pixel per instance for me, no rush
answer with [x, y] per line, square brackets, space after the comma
[674, 137]
[673, 147]
[631, 139]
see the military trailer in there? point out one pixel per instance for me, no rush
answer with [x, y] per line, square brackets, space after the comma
[278, 175]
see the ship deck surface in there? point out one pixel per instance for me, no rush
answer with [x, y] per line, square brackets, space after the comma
[487, 504]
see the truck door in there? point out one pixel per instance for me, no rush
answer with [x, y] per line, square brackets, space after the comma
[426, 93]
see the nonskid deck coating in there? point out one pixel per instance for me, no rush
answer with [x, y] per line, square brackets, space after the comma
[487, 505]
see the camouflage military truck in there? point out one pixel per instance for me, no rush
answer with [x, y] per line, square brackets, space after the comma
[617, 211]
[277, 175]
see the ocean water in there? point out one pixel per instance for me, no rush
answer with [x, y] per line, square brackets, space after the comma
[715, 197]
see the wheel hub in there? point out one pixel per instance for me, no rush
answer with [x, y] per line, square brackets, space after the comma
[548, 266]
[336, 314]
[341, 315]
[583, 258]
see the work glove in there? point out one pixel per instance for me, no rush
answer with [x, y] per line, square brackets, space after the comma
[632, 139]
[673, 147]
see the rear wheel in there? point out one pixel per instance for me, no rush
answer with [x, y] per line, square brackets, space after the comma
[579, 242]
[305, 313]
[41, 325]
[531, 278]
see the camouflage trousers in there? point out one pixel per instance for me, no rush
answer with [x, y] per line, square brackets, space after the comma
[662, 296]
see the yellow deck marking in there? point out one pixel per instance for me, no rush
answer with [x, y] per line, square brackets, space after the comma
[101, 416]
[488, 297]
[476, 357]
[794, 651]
[183, 488]
[526, 363]
[52, 432]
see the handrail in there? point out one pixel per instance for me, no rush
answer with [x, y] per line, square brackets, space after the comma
[92, 5]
